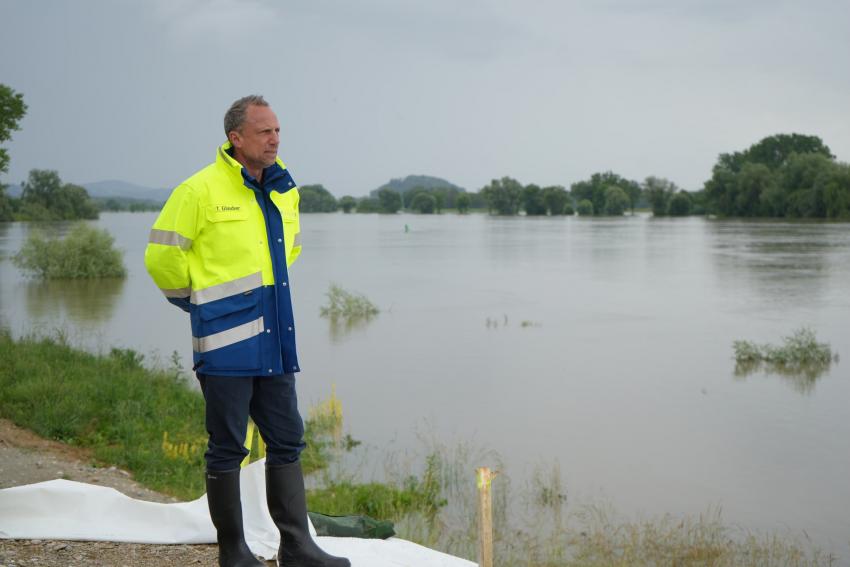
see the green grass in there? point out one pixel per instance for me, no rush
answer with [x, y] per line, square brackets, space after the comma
[110, 404]
[84, 254]
[391, 501]
[147, 421]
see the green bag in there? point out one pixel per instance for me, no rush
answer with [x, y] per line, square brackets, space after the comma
[351, 526]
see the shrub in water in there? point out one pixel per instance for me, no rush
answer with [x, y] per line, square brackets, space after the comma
[342, 303]
[801, 357]
[801, 348]
[85, 253]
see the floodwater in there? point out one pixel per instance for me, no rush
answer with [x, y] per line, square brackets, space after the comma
[603, 345]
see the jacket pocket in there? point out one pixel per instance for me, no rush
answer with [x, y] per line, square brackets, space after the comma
[227, 333]
[228, 242]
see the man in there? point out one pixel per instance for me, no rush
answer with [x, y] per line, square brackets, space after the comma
[220, 250]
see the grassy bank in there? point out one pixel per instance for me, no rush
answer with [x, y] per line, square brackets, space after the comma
[151, 423]
[146, 421]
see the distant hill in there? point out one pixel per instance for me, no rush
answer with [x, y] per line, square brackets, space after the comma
[112, 188]
[124, 189]
[411, 181]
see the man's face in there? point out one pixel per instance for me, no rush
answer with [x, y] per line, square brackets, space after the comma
[257, 140]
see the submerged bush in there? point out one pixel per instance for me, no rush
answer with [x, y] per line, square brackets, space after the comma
[85, 253]
[800, 357]
[801, 348]
[342, 303]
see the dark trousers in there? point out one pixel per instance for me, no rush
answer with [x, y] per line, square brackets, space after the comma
[272, 404]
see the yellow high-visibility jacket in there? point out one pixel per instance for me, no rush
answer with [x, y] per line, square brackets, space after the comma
[220, 250]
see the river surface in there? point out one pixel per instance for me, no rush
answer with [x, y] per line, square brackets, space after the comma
[603, 345]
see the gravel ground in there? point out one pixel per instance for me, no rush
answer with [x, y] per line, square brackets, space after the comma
[26, 458]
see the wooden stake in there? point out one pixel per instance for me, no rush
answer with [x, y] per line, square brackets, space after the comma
[485, 518]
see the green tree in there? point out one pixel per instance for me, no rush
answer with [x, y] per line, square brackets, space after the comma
[7, 211]
[774, 151]
[616, 201]
[532, 200]
[802, 178]
[411, 194]
[698, 202]
[781, 175]
[721, 189]
[585, 208]
[440, 195]
[368, 205]
[346, 203]
[463, 201]
[503, 196]
[44, 197]
[556, 199]
[658, 191]
[680, 204]
[389, 201]
[75, 201]
[12, 110]
[424, 202]
[316, 199]
[836, 191]
[595, 188]
[633, 190]
[753, 193]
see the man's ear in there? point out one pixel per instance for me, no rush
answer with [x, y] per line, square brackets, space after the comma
[234, 138]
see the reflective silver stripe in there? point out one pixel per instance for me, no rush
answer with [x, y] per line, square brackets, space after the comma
[182, 292]
[228, 337]
[297, 241]
[220, 291]
[169, 238]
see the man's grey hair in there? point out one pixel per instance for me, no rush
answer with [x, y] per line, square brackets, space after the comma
[235, 115]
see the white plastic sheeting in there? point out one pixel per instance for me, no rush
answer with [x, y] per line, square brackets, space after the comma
[66, 510]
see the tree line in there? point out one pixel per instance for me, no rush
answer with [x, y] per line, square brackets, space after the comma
[781, 176]
[788, 175]
[46, 198]
[603, 194]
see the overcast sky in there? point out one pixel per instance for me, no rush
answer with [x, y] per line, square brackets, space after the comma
[545, 91]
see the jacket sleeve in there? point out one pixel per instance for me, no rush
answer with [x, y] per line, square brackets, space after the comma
[295, 227]
[170, 240]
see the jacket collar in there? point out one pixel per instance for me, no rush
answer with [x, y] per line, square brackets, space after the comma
[272, 174]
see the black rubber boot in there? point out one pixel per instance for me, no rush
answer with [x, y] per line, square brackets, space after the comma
[226, 514]
[288, 508]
